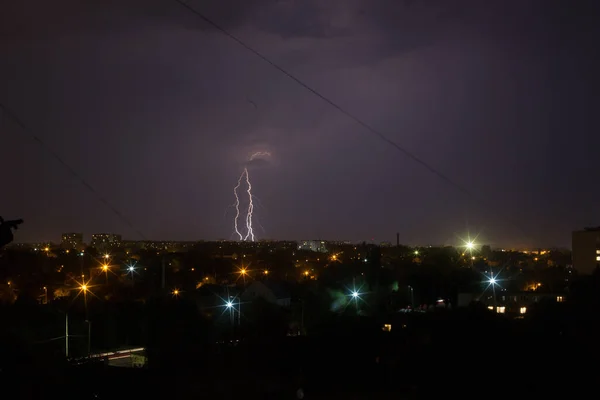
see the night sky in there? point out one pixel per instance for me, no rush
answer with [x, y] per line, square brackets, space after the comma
[159, 112]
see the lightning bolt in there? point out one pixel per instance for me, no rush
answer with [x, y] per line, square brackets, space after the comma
[249, 213]
[250, 231]
[260, 154]
[237, 206]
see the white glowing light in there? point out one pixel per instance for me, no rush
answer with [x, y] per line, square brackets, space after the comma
[492, 281]
[229, 304]
[355, 294]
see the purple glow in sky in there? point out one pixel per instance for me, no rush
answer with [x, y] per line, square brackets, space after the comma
[158, 111]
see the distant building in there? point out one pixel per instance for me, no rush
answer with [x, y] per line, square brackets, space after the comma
[318, 246]
[510, 303]
[71, 240]
[106, 240]
[586, 250]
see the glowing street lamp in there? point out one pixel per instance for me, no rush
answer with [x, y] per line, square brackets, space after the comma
[229, 304]
[355, 295]
[176, 292]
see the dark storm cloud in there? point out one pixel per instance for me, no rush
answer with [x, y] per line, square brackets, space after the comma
[142, 95]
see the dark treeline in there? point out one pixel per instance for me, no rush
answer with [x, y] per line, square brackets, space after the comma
[196, 348]
[466, 352]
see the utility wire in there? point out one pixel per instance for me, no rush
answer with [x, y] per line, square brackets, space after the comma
[71, 170]
[342, 110]
[348, 114]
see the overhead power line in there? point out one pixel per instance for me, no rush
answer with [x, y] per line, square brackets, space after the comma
[342, 110]
[70, 170]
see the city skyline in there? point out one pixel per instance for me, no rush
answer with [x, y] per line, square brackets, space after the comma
[156, 110]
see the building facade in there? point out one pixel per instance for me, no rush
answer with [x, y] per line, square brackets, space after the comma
[71, 240]
[106, 240]
[586, 250]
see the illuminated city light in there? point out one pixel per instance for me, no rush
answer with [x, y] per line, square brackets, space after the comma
[176, 292]
[492, 281]
[355, 294]
[105, 268]
[131, 268]
[229, 304]
[83, 287]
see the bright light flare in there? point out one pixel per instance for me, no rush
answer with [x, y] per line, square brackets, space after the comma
[470, 245]
[83, 288]
[355, 294]
[105, 268]
[131, 268]
[229, 304]
[492, 281]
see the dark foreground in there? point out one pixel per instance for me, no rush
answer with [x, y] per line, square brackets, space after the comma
[460, 356]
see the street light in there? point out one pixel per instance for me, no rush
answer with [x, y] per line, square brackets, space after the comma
[355, 295]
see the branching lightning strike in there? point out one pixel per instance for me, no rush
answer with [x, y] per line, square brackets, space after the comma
[237, 206]
[248, 232]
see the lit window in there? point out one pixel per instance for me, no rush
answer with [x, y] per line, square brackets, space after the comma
[559, 299]
[387, 327]
[523, 310]
[597, 251]
[500, 310]
[490, 308]
[597, 258]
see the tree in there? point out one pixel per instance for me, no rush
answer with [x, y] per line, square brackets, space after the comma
[6, 228]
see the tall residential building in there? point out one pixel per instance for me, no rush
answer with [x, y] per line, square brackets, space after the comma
[586, 250]
[104, 240]
[313, 245]
[71, 240]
